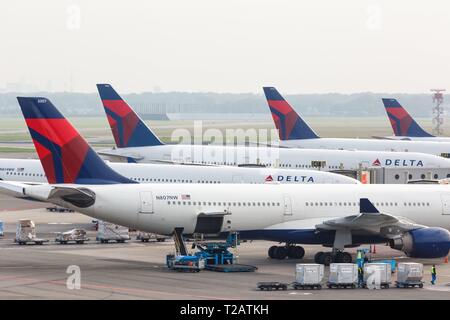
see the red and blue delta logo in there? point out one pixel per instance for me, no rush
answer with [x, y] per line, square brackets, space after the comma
[376, 163]
[269, 179]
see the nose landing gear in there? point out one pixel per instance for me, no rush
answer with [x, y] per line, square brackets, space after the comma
[288, 251]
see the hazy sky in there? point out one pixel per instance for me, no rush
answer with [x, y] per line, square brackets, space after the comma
[226, 46]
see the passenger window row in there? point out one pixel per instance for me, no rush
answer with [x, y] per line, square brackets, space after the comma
[377, 204]
[25, 174]
[172, 180]
[229, 204]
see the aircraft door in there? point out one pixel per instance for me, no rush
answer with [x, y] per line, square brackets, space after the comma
[287, 205]
[146, 202]
[445, 204]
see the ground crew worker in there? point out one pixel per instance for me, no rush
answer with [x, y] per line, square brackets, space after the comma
[366, 259]
[360, 276]
[433, 274]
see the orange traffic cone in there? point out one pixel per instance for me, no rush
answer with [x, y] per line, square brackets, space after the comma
[374, 249]
[446, 259]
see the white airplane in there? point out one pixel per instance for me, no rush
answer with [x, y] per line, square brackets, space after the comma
[411, 218]
[404, 126]
[30, 170]
[295, 133]
[136, 142]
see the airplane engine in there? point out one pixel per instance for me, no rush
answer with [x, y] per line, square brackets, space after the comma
[423, 243]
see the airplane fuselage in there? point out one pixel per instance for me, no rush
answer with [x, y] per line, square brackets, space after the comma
[428, 147]
[256, 211]
[31, 170]
[291, 158]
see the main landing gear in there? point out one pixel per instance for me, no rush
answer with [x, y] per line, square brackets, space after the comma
[327, 258]
[288, 251]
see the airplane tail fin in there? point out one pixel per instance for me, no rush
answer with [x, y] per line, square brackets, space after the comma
[127, 127]
[401, 121]
[288, 122]
[65, 156]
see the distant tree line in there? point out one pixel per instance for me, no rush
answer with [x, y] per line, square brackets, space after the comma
[331, 104]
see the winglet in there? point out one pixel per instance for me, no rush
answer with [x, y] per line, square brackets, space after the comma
[288, 122]
[401, 121]
[127, 127]
[366, 206]
[65, 156]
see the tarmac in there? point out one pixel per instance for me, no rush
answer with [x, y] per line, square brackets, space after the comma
[137, 270]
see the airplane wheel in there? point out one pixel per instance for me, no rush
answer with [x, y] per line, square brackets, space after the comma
[280, 253]
[346, 257]
[318, 257]
[291, 252]
[271, 252]
[327, 258]
[339, 257]
[299, 252]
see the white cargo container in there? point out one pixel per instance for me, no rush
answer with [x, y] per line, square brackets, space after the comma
[112, 232]
[409, 274]
[308, 275]
[343, 275]
[75, 235]
[380, 272]
[26, 232]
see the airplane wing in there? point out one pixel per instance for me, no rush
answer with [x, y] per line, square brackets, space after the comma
[124, 156]
[267, 145]
[388, 138]
[78, 196]
[15, 189]
[368, 221]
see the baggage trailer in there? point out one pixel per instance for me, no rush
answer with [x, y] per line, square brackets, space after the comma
[75, 235]
[343, 276]
[235, 267]
[269, 286]
[59, 209]
[147, 236]
[300, 286]
[112, 232]
[26, 233]
[185, 263]
[409, 275]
